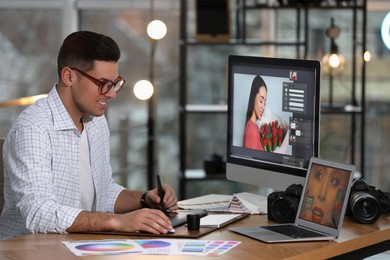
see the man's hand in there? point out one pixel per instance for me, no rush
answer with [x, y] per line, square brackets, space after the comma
[147, 220]
[128, 216]
[169, 200]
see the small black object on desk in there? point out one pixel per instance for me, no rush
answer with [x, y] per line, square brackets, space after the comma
[193, 222]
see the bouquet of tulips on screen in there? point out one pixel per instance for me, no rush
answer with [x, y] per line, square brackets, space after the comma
[271, 135]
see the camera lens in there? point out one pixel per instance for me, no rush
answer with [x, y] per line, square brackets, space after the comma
[364, 207]
[284, 209]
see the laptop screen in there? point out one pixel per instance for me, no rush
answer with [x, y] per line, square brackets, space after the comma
[325, 193]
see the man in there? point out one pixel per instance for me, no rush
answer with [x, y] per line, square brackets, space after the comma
[56, 156]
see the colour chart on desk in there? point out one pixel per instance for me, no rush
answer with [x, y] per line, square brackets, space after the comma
[150, 246]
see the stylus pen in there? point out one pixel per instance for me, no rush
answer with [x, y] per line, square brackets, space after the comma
[161, 193]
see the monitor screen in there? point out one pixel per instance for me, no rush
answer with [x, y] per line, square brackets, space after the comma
[273, 120]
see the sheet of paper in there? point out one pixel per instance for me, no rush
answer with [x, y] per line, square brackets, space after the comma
[158, 246]
[103, 247]
[150, 246]
[219, 247]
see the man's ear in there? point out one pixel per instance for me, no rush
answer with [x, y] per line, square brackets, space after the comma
[68, 76]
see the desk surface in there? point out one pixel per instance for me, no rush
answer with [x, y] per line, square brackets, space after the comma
[353, 237]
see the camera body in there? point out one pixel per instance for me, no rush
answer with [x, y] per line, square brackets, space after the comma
[366, 203]
[282, 206]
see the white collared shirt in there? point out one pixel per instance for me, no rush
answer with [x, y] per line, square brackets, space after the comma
[42, 189]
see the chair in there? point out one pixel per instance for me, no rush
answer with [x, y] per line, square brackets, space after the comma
[1, 176]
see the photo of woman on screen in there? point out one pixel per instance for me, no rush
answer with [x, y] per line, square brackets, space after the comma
[256, 106]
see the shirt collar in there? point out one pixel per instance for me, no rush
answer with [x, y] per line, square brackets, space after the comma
[61, 117]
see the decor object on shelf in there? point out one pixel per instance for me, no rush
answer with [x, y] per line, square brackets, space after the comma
[212, 20]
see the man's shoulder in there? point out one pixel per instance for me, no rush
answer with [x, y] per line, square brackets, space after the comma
[36, 114]
[43, 113]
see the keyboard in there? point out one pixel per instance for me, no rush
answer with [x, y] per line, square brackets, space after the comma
[218, 220]
[293, 231]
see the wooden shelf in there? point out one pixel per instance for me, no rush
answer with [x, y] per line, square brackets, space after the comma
[206, 108]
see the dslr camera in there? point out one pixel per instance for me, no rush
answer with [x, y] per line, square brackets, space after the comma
[282, 206]
[366, 203]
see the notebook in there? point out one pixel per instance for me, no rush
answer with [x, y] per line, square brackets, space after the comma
[321, 208]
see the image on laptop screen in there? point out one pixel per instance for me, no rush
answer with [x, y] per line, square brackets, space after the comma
[324, 195]
[321, 208]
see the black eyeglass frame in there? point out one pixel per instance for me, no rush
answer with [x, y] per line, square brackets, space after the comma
[104, 86]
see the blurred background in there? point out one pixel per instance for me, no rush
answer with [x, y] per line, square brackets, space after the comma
[31, 32]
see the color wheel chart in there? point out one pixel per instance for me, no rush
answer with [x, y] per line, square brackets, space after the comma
[103, 247]
[161, 247]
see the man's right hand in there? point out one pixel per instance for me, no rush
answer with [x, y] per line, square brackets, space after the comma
[147, 220]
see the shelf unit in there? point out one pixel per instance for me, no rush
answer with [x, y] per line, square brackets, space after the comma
[301, 43]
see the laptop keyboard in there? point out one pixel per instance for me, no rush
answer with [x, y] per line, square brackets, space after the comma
[293, 231]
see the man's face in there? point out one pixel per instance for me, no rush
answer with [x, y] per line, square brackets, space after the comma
[85, 94]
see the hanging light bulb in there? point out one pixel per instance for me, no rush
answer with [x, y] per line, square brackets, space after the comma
[156, 29]
[143, 89]
[334, 60]
[333, 63]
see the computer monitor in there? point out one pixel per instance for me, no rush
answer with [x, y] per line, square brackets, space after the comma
[272, 132]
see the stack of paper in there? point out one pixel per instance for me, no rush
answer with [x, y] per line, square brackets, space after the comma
[243, 202]
[246, 202]
[207, 202]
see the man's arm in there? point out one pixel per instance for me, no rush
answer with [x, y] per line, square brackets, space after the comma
[128, 216]
[149, 220]
[129, 200]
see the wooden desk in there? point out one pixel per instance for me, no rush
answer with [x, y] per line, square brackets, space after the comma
[357, 240]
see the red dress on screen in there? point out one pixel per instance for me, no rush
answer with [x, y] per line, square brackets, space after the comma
[252, 136]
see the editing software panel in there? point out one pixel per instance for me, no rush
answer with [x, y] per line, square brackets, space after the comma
[294, 96]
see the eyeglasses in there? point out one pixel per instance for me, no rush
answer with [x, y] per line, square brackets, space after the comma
[104, 85]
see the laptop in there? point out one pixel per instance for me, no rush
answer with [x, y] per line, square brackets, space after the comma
[321, 208]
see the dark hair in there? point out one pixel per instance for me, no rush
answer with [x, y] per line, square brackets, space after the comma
[80, 49]
[256, 84]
